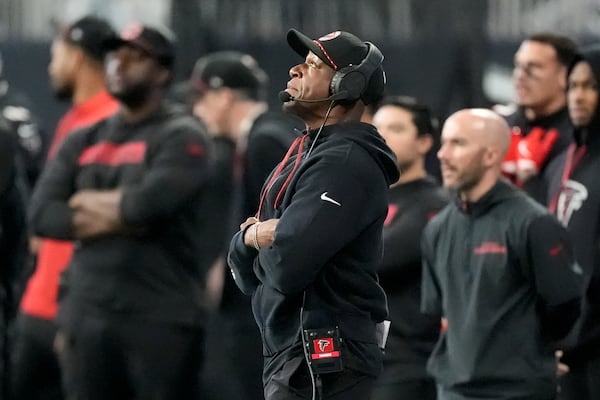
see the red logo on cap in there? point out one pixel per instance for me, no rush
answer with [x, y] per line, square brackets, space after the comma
[330, 36]
[132, 31]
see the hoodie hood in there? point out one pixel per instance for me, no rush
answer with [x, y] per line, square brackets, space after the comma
[589, 134]
[367, 137]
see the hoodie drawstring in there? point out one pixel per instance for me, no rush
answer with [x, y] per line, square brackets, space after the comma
[298, 142]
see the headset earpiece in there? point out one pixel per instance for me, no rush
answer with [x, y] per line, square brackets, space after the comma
[353, 81]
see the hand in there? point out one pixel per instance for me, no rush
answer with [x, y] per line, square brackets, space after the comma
[249, 221]
[34, 244]
[96, 212]
[261, 233]
[533, 151]
[509, 165]
[561, 369]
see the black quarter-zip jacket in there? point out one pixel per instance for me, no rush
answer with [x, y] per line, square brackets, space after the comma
[155, 269]
[574, 196]
[502, 271]
[328, 245]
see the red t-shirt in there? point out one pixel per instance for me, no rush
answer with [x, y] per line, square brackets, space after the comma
[40, 297]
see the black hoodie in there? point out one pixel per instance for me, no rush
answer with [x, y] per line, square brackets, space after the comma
[328, 244]
[574, 196]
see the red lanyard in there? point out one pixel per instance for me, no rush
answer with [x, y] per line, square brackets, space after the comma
[299, 141]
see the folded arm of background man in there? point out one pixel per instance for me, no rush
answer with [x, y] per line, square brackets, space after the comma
[173, 175]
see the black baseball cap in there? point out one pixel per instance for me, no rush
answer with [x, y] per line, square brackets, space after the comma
[340, 49]
[159, 44]
[230, 69]
[89, 33]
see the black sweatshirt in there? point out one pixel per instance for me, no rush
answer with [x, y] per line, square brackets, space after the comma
[574, 196]
[502, 272]
[412, 334]
[328, 245]
[559, 120]
[162, 165]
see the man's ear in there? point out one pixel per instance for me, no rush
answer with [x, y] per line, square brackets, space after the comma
[492, 156]
[424, 143]
[164, 76]
[562, 77]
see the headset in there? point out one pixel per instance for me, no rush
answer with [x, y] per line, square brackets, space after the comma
[349, 83]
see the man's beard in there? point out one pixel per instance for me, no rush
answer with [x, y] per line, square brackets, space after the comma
[64, 93]
[135, 95]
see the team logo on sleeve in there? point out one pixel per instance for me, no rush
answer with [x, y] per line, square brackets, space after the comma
[570, 199]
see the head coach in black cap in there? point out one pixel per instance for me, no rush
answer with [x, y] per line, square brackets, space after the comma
[308, 256]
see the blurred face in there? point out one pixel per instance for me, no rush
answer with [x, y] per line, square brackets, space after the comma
[396, 126]
[310, 81]
[582, 94]
[132, 74]
[213, 108]
[64, 63]
[538, 76]
[461, 156]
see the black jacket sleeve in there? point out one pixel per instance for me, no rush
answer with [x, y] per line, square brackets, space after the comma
[557, 276]
[176, 172]
[431, 293]
[241, 260]
[50, 214]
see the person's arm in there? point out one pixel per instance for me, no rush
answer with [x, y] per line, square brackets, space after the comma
[174, 176]
[431, 293]
[49, 212]
[329, 209]
[557, 276]
[241, 258]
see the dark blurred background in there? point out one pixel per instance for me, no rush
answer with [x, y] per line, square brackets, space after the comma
[449, 53]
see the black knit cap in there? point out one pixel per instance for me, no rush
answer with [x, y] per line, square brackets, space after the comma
[339, 49]
[89, 33]
[159, 44]
[230, 69]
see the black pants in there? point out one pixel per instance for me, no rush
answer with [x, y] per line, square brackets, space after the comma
[128, 358]
[35, 371]
[225, 377]
[410, 390]
[582, 382]
[293, 382]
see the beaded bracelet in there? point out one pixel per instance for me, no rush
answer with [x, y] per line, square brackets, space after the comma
[254, 237]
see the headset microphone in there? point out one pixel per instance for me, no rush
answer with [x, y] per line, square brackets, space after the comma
[285, 97]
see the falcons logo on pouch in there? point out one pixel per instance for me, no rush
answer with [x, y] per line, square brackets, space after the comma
[323, 345]
[570, 199]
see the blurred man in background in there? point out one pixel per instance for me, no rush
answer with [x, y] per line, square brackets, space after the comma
[15, 109]
[408, 129]
[76, 74]
[574, 197]
[230, 91]
[495, 261]
[540, 125]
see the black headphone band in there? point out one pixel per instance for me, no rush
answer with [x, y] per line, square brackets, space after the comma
[371, 62]
[349, 83]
